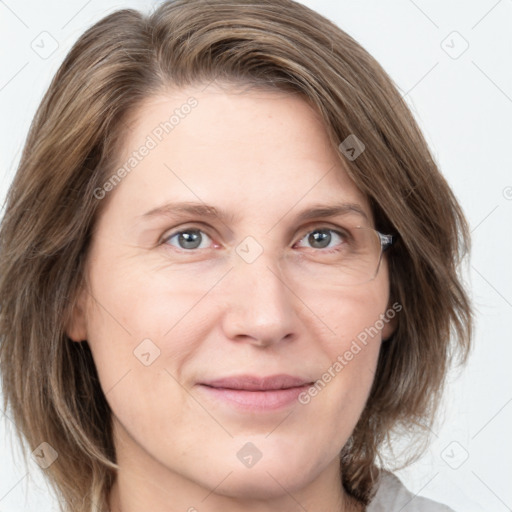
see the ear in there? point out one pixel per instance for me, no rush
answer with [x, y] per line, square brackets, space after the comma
[76, 329]
[391, 323]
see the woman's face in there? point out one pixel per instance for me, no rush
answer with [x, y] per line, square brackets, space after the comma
[184, 327]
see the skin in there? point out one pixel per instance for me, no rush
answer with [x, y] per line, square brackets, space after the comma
[265, 157]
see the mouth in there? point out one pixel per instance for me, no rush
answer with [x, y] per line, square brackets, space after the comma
[252, 392]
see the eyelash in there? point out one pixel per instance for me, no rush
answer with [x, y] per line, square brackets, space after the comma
[342, 235]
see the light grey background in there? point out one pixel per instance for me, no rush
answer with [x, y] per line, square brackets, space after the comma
[462, 99]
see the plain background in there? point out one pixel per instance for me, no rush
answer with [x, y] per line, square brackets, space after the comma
[452, 62]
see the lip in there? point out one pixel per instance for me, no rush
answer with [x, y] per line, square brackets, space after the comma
[251, 392]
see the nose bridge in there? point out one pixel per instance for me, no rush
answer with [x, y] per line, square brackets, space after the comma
[258, 262]
[262, 282]
[260, 303]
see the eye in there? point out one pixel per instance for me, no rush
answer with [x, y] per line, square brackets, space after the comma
[321, 238]
[187, 239]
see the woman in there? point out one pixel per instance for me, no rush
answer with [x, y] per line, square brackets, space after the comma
[228, 268]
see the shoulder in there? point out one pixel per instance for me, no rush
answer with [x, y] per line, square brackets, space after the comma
[393, 496]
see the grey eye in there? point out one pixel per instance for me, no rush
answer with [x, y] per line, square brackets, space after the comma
[188, 239]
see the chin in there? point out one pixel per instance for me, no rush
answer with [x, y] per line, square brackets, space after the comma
[275, 474]
[264, 483]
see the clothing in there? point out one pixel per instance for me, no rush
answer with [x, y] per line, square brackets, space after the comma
[393, 496]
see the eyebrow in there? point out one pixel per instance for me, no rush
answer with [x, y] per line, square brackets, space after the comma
[182, 209]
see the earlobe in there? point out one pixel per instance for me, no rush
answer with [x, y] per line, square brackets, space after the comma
[76, 329]
[390, 326]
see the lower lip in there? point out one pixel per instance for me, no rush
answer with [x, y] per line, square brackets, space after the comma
[256, 400]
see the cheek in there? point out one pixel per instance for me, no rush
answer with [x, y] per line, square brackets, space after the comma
[135, 303]
[143, 327]
[351, 346]
[352, 318]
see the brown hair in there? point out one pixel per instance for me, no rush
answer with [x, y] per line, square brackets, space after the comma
[49, 383]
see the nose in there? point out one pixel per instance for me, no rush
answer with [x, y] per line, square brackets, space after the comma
[259, 304]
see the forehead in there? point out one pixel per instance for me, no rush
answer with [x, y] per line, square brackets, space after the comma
[256, 150]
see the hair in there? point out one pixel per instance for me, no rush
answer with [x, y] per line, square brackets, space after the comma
[50, 384]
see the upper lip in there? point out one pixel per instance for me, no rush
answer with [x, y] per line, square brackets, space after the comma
[257, 383]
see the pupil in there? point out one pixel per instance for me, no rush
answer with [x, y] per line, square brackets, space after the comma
[320, 236]
[189, 239]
